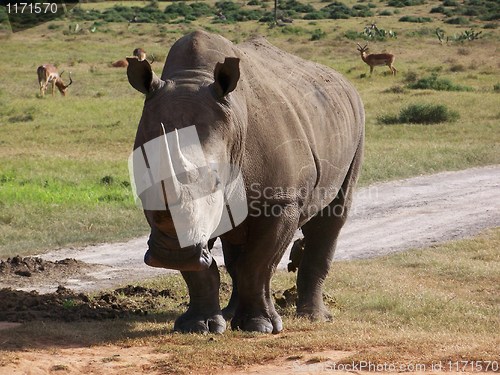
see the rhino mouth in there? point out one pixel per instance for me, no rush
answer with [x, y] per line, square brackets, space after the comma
[192, 258]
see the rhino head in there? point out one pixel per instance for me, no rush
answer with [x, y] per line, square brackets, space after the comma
[191, 140]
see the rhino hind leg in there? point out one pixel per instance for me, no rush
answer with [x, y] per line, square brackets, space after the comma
[231, 254]
[320, 236]
[204, 314]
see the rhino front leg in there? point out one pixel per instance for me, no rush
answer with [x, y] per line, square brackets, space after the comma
[204, 314]
[269, 238]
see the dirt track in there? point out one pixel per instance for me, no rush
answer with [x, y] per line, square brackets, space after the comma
[385, 218]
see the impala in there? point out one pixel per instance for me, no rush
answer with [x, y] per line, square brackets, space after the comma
[377, 59]
[48, 74]
[138, 52]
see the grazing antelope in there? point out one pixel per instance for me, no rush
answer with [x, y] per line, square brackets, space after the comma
[47, 73]
[120, 64]
[377, 59]
[138, 52]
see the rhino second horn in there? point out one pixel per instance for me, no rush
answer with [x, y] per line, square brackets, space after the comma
[172, 185]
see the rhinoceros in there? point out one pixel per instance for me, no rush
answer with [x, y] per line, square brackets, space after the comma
[294, 131]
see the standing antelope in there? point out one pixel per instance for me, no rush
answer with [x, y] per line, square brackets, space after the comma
[377, 59]
[47, 73]
[138, 52]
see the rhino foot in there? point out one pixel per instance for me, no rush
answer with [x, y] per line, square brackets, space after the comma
[261, 324]
[315, 314]
[192, 323]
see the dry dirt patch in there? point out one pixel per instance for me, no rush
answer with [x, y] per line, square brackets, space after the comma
[109, 360]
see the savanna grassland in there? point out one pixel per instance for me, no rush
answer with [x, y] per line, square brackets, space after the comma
[439, 305]
[63, 175]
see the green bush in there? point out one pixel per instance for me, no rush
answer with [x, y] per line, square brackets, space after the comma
[486, 10]
[434, 83]
[318, 34]
[354, 35]
[337, 10]
[317, 15]
[295, 6]
[458, 21]
[195, 10]
[490, 26]
[234, 13]
[421, 114]
[496, 87]
[404, 3]
[415, 19]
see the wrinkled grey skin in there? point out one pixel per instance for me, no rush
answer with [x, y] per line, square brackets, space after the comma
[295, 129]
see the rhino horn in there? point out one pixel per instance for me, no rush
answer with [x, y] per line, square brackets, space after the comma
[187, 166]
[172, 185]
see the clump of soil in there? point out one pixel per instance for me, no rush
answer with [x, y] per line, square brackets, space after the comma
[24, 272]
[65, 305]
[31, 266]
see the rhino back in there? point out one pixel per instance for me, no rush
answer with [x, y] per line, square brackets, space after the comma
[305, 121]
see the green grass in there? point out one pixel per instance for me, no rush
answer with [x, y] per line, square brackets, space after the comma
[55, 151]
[418, 307]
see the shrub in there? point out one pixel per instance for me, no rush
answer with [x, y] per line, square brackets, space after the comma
[434, 83]
[457, 21]
[439, 9]
[415, 19]
[315, 16]
[496, 87]
[337, 10]
[404, 3]
[233, 12]
[421, 114]
[353, 35]
[295, 6]
[490, 26]
[195, 10]
[318, 34]
[395, 90]
[457, 68]
[410, 77]
[385, 13]
[427, 114]
[54, 26]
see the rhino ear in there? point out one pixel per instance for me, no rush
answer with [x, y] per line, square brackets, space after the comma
[141, 76]
[226, 76]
